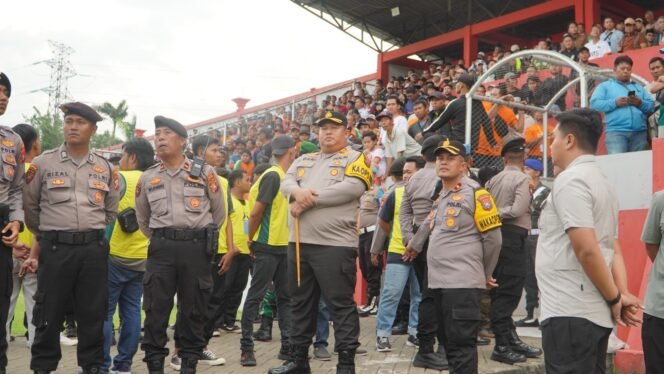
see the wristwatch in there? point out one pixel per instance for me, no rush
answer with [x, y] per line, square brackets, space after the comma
[614, 301]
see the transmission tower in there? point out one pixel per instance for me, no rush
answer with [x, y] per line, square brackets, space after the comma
[61, 71]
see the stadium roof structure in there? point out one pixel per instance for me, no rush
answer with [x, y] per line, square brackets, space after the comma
[388, 25]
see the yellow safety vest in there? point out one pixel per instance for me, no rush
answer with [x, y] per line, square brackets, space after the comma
[396, 238]
[273, 229]
[223, 243]
[240, 220]
[26, 236]
[123, 244]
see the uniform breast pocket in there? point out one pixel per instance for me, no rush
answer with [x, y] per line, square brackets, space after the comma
[303, 170]
[158, 202]
[336, 175]
[8, 166]
[97, 191]
[59, 190]
[194, 199]
[450, 218]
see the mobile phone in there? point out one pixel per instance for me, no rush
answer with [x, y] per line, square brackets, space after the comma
[631, 93]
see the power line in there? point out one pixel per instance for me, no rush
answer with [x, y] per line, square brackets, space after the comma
[61, 70]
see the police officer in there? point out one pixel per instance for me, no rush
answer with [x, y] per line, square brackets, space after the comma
[511, 190]
[11, 210]
[76, 184]
[415, 206]
[180, 209]
[324, 191]
[268, 230]
[464, 245]
[367, 216]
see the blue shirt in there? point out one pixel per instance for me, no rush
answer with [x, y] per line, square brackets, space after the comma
[612, 37]
[625, 118]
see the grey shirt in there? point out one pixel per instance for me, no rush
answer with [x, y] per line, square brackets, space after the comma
[63, 195]
[368, 208]
[417, 202]
[339, 179]
[11, 178]
[174, 199]
[400, 142]
[512, 194]
[581, 198]
[652, 234]
[459, 254]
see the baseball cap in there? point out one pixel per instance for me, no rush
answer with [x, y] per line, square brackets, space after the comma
[384, 113]
[510, 75]
[281, 144]
[515, 48]
[534, 164]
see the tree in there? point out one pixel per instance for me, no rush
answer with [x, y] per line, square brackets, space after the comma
[128, 128]
[117, 114]
[49, 127]
[103, 140]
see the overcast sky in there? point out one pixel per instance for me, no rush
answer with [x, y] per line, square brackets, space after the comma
[181, 59]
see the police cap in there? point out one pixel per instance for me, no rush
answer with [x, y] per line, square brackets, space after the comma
[82, 110]
[332, 117]
[452, 147]
[4, 81]
[431, 142]
[513, 145]
[161, 121]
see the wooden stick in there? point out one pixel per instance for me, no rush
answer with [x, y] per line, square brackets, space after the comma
[297, 249]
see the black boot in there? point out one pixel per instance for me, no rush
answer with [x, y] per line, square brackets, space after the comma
[431, 360]
[504, 354]
[346, 363]
[188, 366]
[286, 352]
[92, 370]
[299, 364]
[519, 346]
[42, 372]
[156, 366]
[264, 333]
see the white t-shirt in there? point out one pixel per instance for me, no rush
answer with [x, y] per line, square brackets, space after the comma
[382, 164]
[598, 50]
[401, 142]
[400, 122]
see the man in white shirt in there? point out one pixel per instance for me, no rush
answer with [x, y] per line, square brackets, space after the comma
[579, 266]
[397, 142]
[597, 46]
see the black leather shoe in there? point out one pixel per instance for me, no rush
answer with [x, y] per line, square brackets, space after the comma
[432, 360]
[156, 366]
[345, 369]
[346, 363]
[247, 358]
[504, 354]
[483, 341]
[519, 346]
[42, 372]
[264, 333]
[285, 353]
[400, 328]
[292, 367]
[188, 366]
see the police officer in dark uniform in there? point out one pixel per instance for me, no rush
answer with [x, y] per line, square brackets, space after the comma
[324, 191]
[511, 190]
[71, 195]
[179, 207]
[11, 210]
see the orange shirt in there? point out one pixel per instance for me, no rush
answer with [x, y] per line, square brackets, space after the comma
[532, 133]
[508, 116]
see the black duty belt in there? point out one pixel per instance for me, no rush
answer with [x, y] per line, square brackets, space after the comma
[517, 229]
[73, 238]
[179, 234]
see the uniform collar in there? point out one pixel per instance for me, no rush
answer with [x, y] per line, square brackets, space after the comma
[430, 165]
[512, 167]
[585, 159]
[64, 155]
[186, 166]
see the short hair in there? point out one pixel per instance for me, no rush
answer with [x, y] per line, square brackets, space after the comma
[260, 169]
[143, 151]
[245, 151]
[411, 89]
[397, 167]
[222, 172]
[201, 142]
[394, 97]
[422, 102]
[418, 160]
[624, 59]
[605, 18]
[652, 60]
[585, 124]
[234, 176]
[28, 134]
[370, 134]
[533, 79]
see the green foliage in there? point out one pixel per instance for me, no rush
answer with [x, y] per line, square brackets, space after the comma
[117, 114]
[49, 128]
[128, 128]
[103, 140]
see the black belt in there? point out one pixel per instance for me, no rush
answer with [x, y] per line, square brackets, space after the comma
[179, 234]
[73, 238]
[514, 228]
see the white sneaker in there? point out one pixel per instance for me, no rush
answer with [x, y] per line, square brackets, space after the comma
[208, 357]
[175, 363]
[68, 341]
[120, 372]
[216, 333]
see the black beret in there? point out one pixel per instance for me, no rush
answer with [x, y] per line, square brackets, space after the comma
[516, 144]
[161, 121]
[82, 110]
[4, 81]
[332, 117]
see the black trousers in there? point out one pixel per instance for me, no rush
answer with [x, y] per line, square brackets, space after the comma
[532, 291]
[70, 273]
[330, 271]
[428, 324]
[370, 273]
[574, 346]
[510, 273]
[6, 265]
[459, 309]
[227, 293]
[181, 267]
[652, 333]
[269, 265]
